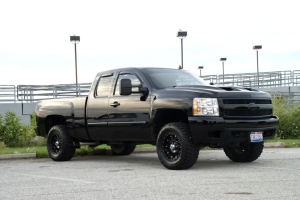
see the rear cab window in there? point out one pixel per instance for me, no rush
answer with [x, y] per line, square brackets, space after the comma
[104, 85]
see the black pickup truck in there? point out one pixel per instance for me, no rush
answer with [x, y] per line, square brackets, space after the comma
[171, 108]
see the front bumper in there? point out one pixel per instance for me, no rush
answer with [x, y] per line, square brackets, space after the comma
[217, 130]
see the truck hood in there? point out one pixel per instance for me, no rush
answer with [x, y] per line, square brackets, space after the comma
[221, 91]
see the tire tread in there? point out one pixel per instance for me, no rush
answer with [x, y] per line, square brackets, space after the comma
[68, 150]
[253, 152]
[192, 150]
[129, 148]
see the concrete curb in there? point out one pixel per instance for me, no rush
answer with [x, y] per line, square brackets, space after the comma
[104, 152]
[145, 150]
[17, 156]
[266, 145]
[274, 145]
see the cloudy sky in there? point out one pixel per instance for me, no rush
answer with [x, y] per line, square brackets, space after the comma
[35, 45]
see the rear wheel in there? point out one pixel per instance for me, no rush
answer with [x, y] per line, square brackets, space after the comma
[175, 148]
[122, 149]
[244, 152]
[59, 144]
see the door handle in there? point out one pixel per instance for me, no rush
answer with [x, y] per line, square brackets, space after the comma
[115, 104]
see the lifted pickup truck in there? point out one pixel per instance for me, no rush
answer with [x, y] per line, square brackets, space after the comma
[171, 108]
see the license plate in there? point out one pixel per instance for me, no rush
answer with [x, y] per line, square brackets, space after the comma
[256, 136]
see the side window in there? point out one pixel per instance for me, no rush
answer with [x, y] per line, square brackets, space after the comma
[103, 87]
[134, 81]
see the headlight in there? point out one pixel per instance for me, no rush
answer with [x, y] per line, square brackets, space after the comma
[206, 106]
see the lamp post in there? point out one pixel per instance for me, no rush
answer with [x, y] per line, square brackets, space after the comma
[223, 60]
[181, 35]
[256, 48]
[75, 40]
[200, 67]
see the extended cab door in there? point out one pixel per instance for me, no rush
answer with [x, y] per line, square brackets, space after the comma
[128, 115]
[97, 107]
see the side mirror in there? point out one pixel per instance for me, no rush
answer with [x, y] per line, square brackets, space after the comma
[143, 89]
[144, 92]
[126, 87]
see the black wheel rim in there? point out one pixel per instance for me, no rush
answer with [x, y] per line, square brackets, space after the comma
[172, 147]
[55, 144]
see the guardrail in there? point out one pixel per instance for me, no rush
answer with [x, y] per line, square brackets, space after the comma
[7, 93]
[292, 97]
[296, 77]
[32, 93]
[265, 79]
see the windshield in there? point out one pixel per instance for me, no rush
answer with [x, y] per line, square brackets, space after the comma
[162, 78]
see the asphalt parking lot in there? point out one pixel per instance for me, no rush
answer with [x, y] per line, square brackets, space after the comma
[275, 175]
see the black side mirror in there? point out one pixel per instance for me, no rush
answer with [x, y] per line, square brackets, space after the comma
[142, 89]
[144, 92]
[126, 87]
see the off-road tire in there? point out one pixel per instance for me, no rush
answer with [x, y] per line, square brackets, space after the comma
[122, 149]
[245, 152]
[175, 148]
[59, 144]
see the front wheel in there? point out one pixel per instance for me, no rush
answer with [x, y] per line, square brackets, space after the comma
[122, 149]
[59, 144]
[244, 152]
[175, 148]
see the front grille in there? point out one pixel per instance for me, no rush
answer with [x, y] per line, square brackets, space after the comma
[246, 101]
[239, 113]
[247, 107]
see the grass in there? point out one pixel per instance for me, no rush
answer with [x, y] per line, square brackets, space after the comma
[41, 151]
[17, 150]
[289, 143]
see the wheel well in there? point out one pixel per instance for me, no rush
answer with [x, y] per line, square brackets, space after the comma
[53, 120]
[165, 116]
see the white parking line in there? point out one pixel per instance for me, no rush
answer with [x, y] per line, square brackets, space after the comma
[58, 178]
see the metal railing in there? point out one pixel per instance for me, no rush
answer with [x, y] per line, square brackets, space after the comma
[32, 93]
[265, 79]
[292, 97]
[7, 93]
[296, 77]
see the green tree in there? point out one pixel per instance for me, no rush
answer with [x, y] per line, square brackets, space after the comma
[15, 134]
[12, 128]
[289, 118]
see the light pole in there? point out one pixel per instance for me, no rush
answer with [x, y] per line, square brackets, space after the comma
[181, 35]
[200, 67]
[257, 47]
[75, 40]
[223, 60]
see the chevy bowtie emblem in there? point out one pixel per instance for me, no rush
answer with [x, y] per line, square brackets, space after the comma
[253, 106]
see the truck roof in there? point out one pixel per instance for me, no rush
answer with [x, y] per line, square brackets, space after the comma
[136, 68]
